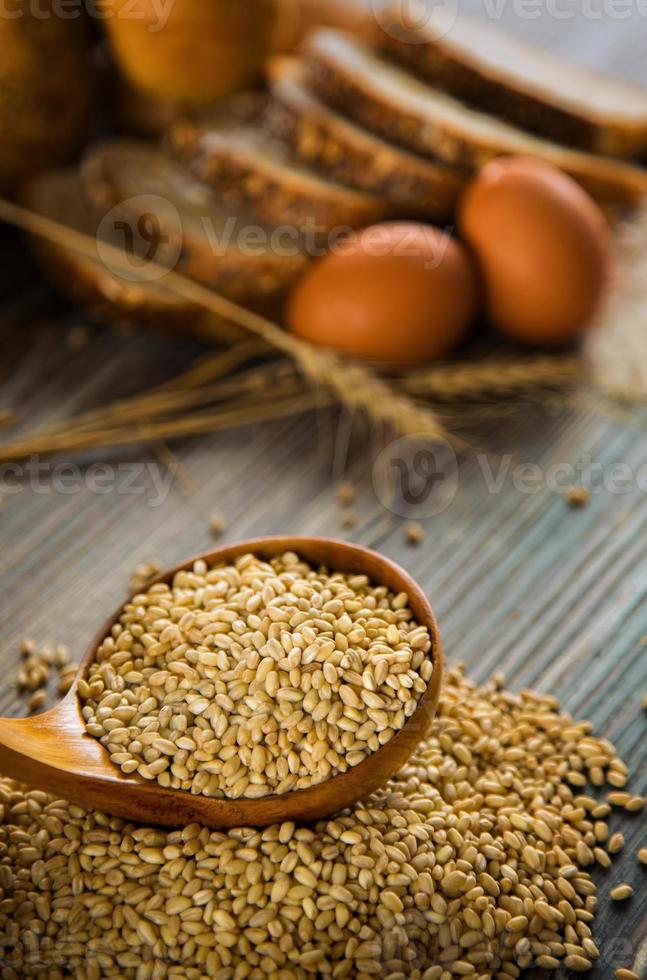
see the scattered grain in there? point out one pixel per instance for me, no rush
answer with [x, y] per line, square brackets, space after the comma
[144, 573]
[616, 798]
[346, 494]
[217, 524]
[414, 533]
[622, 973]
[578, 497]
[66, 679]
[616, 843]
[635, 804]
[621, 893]
[642, 855]
[432, 876]
[578, 963]
[35, 671]
[37, 700]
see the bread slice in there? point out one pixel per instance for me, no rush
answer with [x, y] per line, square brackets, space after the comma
[179, 222]
[350, 76]
[322, 137]
[57, 195]
[530, 87]
[250, 167]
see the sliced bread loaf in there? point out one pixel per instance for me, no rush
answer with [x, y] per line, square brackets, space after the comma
[533, 88]
[252, 168]
[92, 282]
[350, 76]
[324, 138]
[181, 223]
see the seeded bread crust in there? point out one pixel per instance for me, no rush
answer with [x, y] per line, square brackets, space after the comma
[322, 138]
[255, 171]
[464, 81]
[119, 175]
[397, 106]
[455, 59]
[89, 282]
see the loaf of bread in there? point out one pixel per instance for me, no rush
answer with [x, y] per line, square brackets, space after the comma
[95, 283]
[187, 226]
[532, 88]
[252, 168]
[323, 138]
[350, 76]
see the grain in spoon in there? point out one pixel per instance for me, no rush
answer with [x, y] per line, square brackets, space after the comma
[53, 752]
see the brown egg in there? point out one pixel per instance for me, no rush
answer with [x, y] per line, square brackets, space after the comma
[543, 248]
[397, 292]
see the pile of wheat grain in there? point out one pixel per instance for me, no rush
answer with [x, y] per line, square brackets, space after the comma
[474, 862]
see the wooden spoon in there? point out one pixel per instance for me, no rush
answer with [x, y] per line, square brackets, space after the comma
[52, 751]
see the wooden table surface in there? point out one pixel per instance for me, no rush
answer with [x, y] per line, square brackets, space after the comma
[556, 598]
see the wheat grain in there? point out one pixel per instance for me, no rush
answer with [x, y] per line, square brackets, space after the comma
[492, 376]
[255, 678]
[433, 876]
[621, 893]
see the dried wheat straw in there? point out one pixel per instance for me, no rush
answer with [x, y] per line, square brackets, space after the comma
[473, 379]
[173, 394]
[231, 415]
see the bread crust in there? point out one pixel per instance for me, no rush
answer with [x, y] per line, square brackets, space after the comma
[256, 172]
[116, 177]
[462, 69]
[90, 283]
[323, 138]
[440, 126]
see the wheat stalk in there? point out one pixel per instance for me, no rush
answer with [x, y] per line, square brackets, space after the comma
[358, 388]
[245, 413]
[354, 385]
[264, 382]
[186, 390]
[495, 376]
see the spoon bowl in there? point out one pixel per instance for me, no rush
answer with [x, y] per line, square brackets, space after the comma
[53, 752]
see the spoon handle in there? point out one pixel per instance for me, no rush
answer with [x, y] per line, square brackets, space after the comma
[43, 748]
